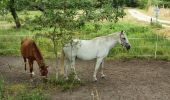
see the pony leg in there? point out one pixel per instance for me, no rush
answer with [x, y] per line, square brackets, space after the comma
[98, 62]
[25, 63]
[31, 68]
[66, 69]
[73, 67]
[102, 66]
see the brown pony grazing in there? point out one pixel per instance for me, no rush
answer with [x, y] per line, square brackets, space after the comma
[30, 51]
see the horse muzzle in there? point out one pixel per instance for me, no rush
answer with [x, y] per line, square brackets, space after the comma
[128, 47]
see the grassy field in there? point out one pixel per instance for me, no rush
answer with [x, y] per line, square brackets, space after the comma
[146, 42]
[143, 39]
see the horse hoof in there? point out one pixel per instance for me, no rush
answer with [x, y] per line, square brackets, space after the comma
[45, 80]
[66, 78]
[95, 80]
[33, 74]
[103, 76]
[77, 78]
[31, 80]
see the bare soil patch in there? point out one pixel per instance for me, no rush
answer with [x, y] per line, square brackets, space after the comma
[126, 79]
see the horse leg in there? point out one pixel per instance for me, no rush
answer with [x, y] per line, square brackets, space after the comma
[73, 67]
[98, 62]
[25, 63]
[102, 66]
[66, 69]
[31, 68]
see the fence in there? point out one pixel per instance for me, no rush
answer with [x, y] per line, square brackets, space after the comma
[13, 42]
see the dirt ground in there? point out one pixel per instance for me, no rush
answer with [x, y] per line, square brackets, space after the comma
[125, 79]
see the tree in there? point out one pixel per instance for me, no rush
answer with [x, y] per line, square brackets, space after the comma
[13, 12]
[9, 6]
[13, 6]
[61, 19]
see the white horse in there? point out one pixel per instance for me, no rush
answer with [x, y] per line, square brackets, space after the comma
[97, 48]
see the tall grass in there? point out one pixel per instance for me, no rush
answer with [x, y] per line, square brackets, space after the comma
[64, 84]
[143, 40]
[31, 95]
[1, 88]
[21, 92]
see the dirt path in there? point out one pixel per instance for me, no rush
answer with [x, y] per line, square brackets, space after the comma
[126, 79]
[142, 17]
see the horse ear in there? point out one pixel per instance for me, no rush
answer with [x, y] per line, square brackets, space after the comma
[121, 33]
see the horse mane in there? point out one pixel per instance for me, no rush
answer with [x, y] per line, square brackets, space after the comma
[37, 54]
[116, 34]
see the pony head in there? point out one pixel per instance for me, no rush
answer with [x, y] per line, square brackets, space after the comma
[44, 70]
[124, 40]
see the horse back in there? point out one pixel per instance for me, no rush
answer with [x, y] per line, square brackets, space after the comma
[27, 48]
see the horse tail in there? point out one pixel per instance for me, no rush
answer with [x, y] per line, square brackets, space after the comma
[62, 62]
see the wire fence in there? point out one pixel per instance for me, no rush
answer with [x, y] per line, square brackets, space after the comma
[17, 40]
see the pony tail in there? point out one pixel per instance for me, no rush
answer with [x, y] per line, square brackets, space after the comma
[62, 63]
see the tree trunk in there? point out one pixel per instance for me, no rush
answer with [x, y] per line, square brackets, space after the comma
[39, 7]
[14, 14]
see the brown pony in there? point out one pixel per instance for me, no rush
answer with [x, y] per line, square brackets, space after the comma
[30, 51]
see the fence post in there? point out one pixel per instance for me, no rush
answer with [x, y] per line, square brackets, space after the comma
[156, 45]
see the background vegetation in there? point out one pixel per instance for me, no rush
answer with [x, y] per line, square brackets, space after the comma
[53, 23]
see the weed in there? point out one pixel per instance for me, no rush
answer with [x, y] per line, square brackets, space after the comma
[68, 84]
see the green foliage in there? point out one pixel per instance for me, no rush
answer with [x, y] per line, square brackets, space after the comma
[142, 3]
[31, 95]
[166, 3]
[146, 3]
[142, 38]
[3, 7]
[1, 88]
[90, 30]
[20, 92]
[156, 25]
[69, 84]
[62, 19]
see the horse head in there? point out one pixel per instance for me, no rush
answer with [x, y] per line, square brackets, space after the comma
[44, 70]
[124, 40]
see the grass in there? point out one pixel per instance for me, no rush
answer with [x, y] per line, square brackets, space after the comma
[142, 47]
[21, 92]
[32, 95]
[143, 38]
[64, 84]
[1, 88]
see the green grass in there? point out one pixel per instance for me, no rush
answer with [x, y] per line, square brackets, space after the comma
[143, 40]
[21, 92]
[1, 88]
[32, 95]
[64, 84]
[143, 47]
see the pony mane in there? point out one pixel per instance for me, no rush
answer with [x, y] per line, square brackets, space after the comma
[112, 35]
[37, 53]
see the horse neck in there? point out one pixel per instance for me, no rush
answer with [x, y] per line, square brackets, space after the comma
[38, 55]
[112, 40]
